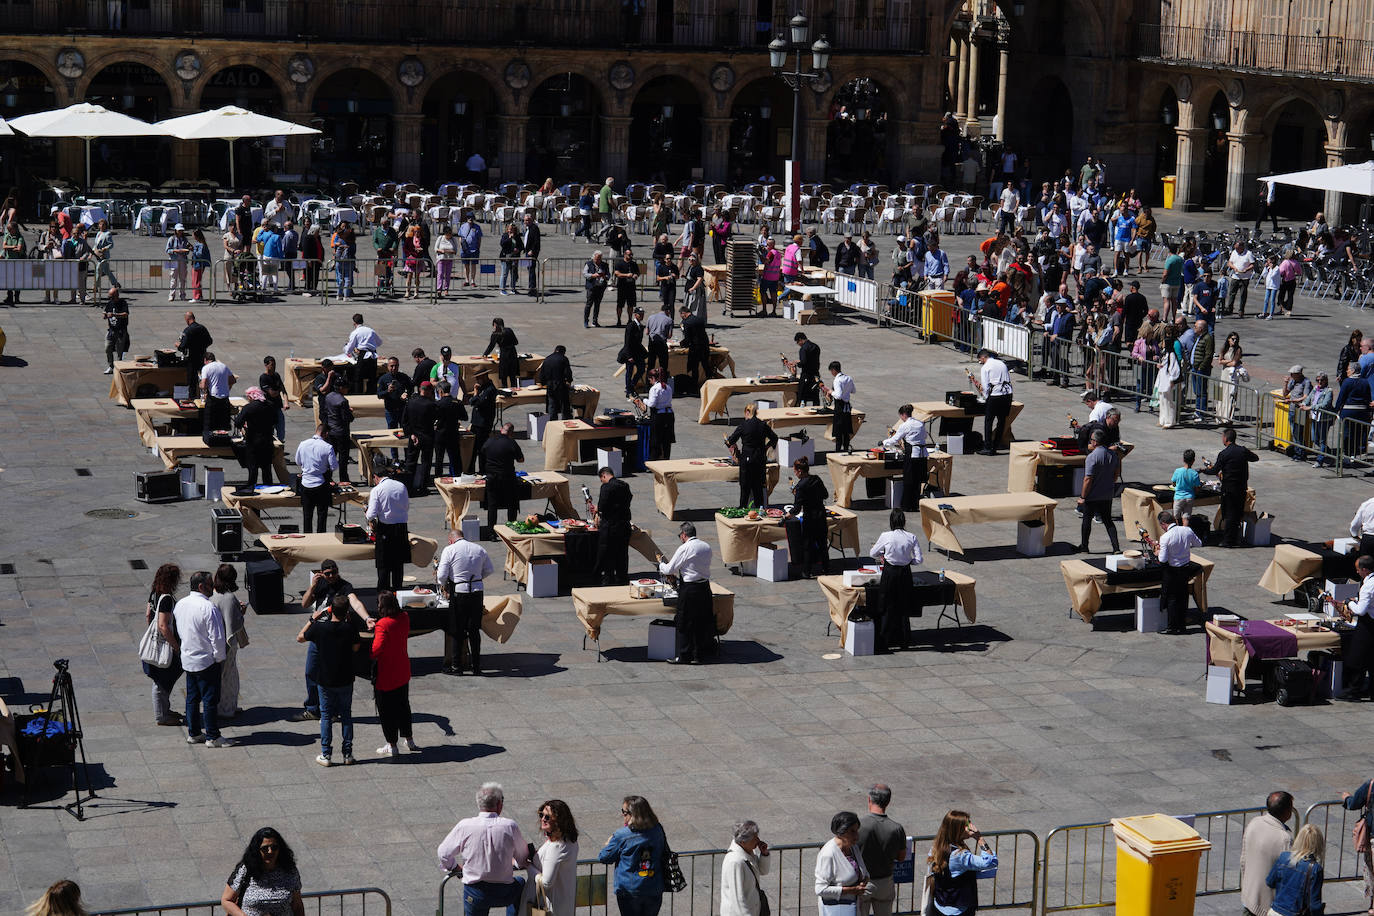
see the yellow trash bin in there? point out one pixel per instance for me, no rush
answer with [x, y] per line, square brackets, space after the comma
[1169, 182]
[1156, 865]
[937, 313]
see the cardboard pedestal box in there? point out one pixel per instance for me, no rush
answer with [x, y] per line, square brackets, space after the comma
[612, 458]
[772, 563]
[662, 640]
[858, 637]
[542, 579]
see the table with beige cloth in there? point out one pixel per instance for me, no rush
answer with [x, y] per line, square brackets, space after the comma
[1087, 584]
[717, 275]
[717, 361]
[583, 397]
[1290, 567]
[500, 615]
[1228, 649]
[172, 449]
[741, 538]
[668, 475]
[1027, 457]
[548, 485]
[522, 549]
[250, 507]
[469, 367]
[149, 413]
[717, 392]
[846, 469]
[291, 549]
[300, 373]
[130, 374]
[928, 412]
[372, 443]
[782, 418]
[1142, 507]
[593, 605]
[938, 524]
[843, 599]
[364, 407]
[562, 440]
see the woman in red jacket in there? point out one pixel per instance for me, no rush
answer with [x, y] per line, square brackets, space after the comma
[391, 689]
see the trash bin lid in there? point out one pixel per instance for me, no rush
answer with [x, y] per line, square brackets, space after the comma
[1157, 834]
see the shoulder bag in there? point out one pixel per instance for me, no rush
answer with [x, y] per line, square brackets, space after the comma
[153, 648]
[673, 879]
[1359, 833]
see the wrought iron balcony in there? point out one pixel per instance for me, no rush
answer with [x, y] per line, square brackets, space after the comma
[1319, 55]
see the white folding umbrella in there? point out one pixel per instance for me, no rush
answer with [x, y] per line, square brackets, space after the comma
[5, 129]
[1348, 179]
[86, 121]
[231, 123]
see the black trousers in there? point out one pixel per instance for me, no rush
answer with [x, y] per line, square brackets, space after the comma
[501, 494]
[808, 390]
[558, 403]
[365, 375]
[393, 711]
[342, 443]
[479, 439]
[463, 630]
[613, 552]
[315, 505]
[451, 449]
[753, 479]
[662, 435]
[695, 621]
[258, 456]
[392, 554]
[658, 354]
[915, 472]
[843, 426]
[1102, 508]
[699, 359]
[816, 540]
[419, 456]
[634, 372]
[592, 310]
[1232, 507]
[1174, 595]
[1264, 212]
[995, 421]
[217, 413]
[1286, 290]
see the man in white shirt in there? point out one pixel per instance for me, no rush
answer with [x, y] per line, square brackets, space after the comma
[216, 381]
[388, 509]
[363, 345]
[745, 861]
[1242, 267]
[1097, 407]
[462, 567]
[278, 210]
[200, 629]
[491, 847]
[911, 437]
[842, 391]
[318, 463]
[1362, 527]
[995, 386]
[1176, 555]
[695, 619]
[1359, 658]
[896, 550]
[1006, 214]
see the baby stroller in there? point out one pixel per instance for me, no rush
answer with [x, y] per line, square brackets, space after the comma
[243, 279]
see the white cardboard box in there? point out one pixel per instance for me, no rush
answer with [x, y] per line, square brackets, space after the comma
[1219, 685]
[1258, 533]
[662, 640]
[955, 444]
[772, 563]
[611, 458]
[542, 579]
[895, 486]
[789, 450]
[1344, 546]
[854, 578]
[1342, 591]
[858, 637]
[1119, 561]
[534, 424]
[472, 528]
[1030, 539]
[214, 483]
[765, 404]
[1149, 618]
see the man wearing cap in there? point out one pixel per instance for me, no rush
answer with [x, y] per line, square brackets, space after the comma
[1296, 389]
[178, 255]
[1205, 298]
[626, 272]
[847, 255]
[444, 370]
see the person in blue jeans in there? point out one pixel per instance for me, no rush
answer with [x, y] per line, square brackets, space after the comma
[640, 853]
[1296, 875]
[335, 640]
[325, 586]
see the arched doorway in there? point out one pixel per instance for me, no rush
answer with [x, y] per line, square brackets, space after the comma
[1043, 130]
[459, 120]
[1216, 152]
[665, 131]
[25, 90]
[760, 131]
[856, 137]
[1297, 139]
[1165, 143]
[255, 158]
[139, 91]
[564, 138]
[354, 109]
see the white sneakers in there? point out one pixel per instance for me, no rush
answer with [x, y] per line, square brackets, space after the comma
[387, 750]
[109, 370]
[324, 761]
[409, 745]
[212, 742]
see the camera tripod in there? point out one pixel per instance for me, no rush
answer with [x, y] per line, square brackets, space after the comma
[62, 708]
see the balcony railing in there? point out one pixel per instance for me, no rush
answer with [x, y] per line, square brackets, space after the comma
[1326, 55]
[560, 23]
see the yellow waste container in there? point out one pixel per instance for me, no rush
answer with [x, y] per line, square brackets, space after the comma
[1169, 182]
[937, 312]
[1283, 430]
[1156, 865]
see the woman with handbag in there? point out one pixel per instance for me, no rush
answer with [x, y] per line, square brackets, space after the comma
[1233, 372]
[1296, 876]
[160, 650]
[1363, 801]
[236, 638]
[265, 881]
[391, 686]
[841, 878]
[556, 880]
[954, 868]
[640, 853]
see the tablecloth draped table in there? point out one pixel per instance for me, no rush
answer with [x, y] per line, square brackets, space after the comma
[300, 373]
[783, 418]
[562, 438]
[1088, 580]
[500, 615]
[844, 599]
[372, 443]
[669, 474]
[1226, 648]
[172, 449]
[938, 523]
[934, 413]
[546, 485]
[1290, 567]
[521, 549]
[470, 366]
[250, 507]
[739, 539]
[129, 374]
[1027, 457]
[364, 407]
[716, 276]
[583, 399]
[1142, 507]
[846, 469]
[291, 549]
[716, 394]
[593, 605]
[717, 360]
[149, 412]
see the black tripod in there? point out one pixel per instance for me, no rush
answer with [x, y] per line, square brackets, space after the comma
[62, 708]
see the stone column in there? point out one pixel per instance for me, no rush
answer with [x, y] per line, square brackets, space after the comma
[511, 150]
[715, 148]
[1188, 190]
[961, 95]
[405, 146]
[615, 147]
[971, 122]
[1242, 170]
[952, 81]
[1002, 93]
[1332, 203]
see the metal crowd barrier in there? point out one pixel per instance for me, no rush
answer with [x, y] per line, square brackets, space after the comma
[143, 275]
[354, 901]
[1335, 821]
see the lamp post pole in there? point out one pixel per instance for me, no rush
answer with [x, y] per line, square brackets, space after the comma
[795, 78]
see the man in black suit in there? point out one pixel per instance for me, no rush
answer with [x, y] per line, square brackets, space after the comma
[337, 417]
[755, 438]
[634, 352]
[195, 340]
[612, 516]
[448, 430]
[482, 405]
[529, 248]
[424, 366]
[698, 345]
[557, 378]
[808, 366]
[417, 423]
[501, 452]
[1233, 467]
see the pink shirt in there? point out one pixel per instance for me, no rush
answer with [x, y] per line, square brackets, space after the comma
[772, 264]
[1290, 269]
[489, 845]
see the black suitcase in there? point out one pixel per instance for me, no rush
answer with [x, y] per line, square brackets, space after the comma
[265, 591]
[226, 529]
[157, 486]
[1290, 682]
[684, 386]
[1201, 525]
[1054, 481]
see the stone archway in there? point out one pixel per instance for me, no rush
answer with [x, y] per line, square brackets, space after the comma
[665, 131]
[564, 132]
[460, 118]
[25, 89]
[1164, 140]
[858, 132]
[1297, 141]
[1216, 148]
[353, 109]
[761, 124]
[138, 90]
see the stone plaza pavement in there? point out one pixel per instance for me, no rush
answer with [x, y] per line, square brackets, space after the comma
[1030, 719]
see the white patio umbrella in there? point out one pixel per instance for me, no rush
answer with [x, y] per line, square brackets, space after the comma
[86, 121]
[231, 123]
[5, 129]
[1347, 179]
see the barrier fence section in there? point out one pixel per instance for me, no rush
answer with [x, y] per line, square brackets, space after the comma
[146, 275]
[1335, 821]
[354, 901]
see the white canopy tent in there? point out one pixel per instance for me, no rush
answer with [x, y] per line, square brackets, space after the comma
[231, 123]
[86, 121]
[1347, 179]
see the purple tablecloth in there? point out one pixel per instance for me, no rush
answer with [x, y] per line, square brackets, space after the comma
[1264, 640]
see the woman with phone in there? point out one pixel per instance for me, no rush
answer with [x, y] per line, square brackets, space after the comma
[841, 878]
[953, 877]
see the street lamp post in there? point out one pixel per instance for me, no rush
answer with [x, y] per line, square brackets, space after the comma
[795, 79]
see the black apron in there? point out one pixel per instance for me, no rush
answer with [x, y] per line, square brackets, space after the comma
[896, 592]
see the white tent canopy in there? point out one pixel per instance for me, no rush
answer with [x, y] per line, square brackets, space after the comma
[231, 123]
[86, 121]
[1347, 179]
